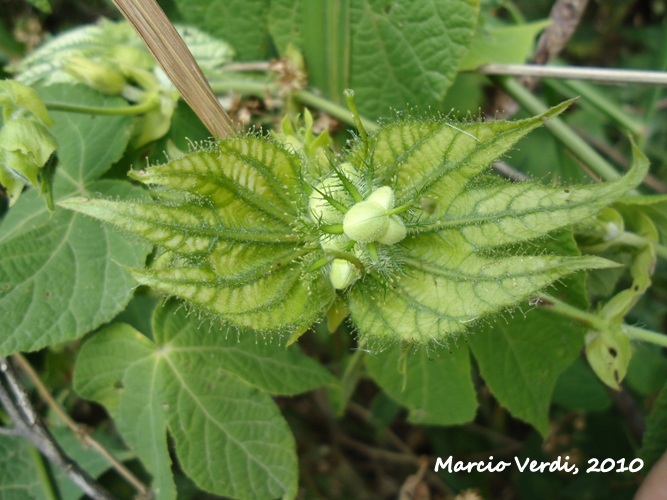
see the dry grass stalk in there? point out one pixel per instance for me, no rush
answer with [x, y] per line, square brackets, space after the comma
[165, 43]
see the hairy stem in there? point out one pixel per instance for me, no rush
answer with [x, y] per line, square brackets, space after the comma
[564, 309]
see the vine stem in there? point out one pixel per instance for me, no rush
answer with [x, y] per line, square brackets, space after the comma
[562, 132]
[332, 109]
[637, 241]
[645, 335]
[598, 322]
[137, 109]
[597, 75]
[17, 405]
[78, 430]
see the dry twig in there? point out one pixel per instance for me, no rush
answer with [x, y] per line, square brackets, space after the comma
[15, 401]
[164, 42]
[78, 430]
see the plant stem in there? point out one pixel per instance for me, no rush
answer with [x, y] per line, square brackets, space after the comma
[79, 432]
[338, 112]
[645, 335]
[599, 101]
[598, 323]
[252, 87]
[562, 132]
[137, 109]
[564, 309]
[598, 75]
[637, 241]
[351, 375]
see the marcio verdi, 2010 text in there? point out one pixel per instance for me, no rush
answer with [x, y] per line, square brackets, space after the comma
[561, 464]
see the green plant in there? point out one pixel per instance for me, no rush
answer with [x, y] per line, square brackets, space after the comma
[257, 237]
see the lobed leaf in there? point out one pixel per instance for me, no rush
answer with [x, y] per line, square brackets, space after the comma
[246, 178]
[278, 301]
[435, 159]
[503, 214]
[450, 279]
[209, 391]
[445, 288]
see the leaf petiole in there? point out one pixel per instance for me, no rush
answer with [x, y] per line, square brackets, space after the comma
[598, 322]
[139, 109]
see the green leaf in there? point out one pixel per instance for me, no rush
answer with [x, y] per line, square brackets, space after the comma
[436, 388]
[59, 276]
[502, 44]
[19, 470]
[429, 154]
[242, 23]
[437, 299]
[404, 54]
[285, 24]
[608, 352]
[230, 221]
[210, 389]
[26, 145]
[455, 269]
[393, 54]
[22, 467]
[521, 357]
[116, 369]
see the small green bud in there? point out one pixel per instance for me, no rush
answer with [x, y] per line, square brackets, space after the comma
[343, 274]
[366, 221]
[383, 196]
[395, 232]
[98, 76]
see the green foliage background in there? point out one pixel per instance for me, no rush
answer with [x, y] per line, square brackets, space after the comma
[162, 380]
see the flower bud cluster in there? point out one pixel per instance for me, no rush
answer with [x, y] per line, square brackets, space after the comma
[364, 222]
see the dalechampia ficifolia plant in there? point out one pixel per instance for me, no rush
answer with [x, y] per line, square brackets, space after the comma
[406, 227]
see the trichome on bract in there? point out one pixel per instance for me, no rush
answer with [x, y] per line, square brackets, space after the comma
[404, 226]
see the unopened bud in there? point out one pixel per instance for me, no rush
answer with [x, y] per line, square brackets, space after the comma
[343, 274]
[95, 75]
